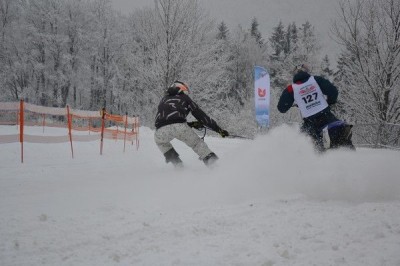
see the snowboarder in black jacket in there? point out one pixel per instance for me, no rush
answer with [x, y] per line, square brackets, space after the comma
[313, 95]
[171, 123]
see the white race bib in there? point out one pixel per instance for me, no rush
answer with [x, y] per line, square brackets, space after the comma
[309, 97]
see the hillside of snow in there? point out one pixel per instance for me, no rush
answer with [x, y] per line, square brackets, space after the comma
[269, 201]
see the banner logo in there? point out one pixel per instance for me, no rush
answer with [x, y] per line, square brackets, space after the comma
[262, 92]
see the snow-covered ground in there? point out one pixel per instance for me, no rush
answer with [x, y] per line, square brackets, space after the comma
[270, 201]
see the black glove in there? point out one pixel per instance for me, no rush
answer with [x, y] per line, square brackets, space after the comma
[195, 124]
[223, 133]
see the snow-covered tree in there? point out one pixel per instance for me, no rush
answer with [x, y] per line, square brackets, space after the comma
[369, 32]
[176, 40]
[77, 38]
[255, 32]
[105, 50]
[223, 31]
[42, 40]
[277, 40]
[14, 72]
[309, 45]
[291, 44]
[326, 70]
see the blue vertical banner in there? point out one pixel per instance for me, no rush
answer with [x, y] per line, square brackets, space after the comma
[262, 95]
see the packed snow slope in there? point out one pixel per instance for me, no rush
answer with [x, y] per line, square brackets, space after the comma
[269, 201]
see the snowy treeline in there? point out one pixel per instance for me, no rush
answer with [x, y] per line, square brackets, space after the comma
[85, 54]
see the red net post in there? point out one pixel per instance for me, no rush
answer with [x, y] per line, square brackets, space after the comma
[137, 132]
[69, 117]
[126, 125]
[21, 128]
[44, 121]
[103, 113]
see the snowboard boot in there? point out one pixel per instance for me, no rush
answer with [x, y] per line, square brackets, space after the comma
[173, 157]
[210, 159]
[341, 137]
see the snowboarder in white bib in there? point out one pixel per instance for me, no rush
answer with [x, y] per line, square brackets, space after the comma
[171, 123]
[313, 95]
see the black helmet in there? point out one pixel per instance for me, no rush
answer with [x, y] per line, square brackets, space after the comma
[301, 67]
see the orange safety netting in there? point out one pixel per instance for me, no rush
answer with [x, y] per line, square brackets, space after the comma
[98, 124]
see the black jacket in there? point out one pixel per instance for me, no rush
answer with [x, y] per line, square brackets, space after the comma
[319, 120]
[174, 107]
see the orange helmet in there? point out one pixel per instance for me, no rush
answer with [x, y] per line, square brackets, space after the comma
[183, 88]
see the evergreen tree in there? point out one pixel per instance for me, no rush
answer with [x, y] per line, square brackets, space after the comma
[308, 44]
[223, 31]
[255, 33]
[278, 40]
[291, 39]
[326, 70]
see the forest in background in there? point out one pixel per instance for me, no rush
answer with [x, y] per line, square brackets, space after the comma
[85, 54]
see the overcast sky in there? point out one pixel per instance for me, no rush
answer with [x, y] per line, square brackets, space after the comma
[268, 13]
